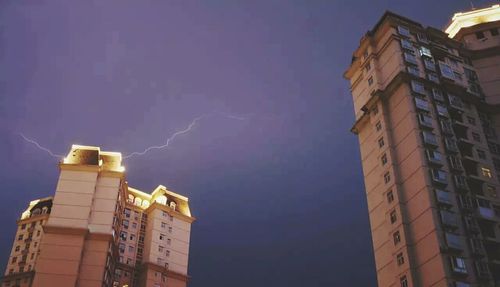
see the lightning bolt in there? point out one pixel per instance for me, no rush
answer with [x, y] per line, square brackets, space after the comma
[184, 131]
[41, 147]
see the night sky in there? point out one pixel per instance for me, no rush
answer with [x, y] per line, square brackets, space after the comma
[279, 197]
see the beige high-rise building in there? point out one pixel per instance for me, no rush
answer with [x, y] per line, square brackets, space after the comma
[98, 231]
[427, 115]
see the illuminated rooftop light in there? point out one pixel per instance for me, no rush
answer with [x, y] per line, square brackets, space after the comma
[468, 19]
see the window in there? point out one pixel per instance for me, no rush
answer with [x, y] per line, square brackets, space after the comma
[160, 248]
[439, 176]
[443, 196]
[429, 64]
[123, 236]
[126, 211]
[418, 87]
[168, 253]
[32, 255]
[433, 77]
[378, 126]
[170, 229]
[458, 265]
[393, 216]
[375, 110]
[132, 237]
[162, 236]
[38, 233]
[23, 227]
[442, 110]
[413, 70]
[406, 44]
[125, 224]
[476, 137]
[494, 32]
[130, 248]
[121, 248]
[20, 237]
[410, 58]
[480, 35]
[446, 71]
[14, 260]
[403, 31]
[437, 95]
[397, 237]
[481, 154]
[458, 76]
[18, 248]
[163, 225]
[425, 52]
[381, 142]
[390, 196]
[422, 104]
[171, 218]
[164, 214]
[400, 258]
[429, 138]
[422, 38]
[383, 159]
[486, 172]
[403, 281]
[169, 241]
[453, 240]
[387, 177]
[368, 67]
[370, 81]
[494, 148]
[134, 224]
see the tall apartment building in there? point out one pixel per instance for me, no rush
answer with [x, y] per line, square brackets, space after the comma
[98, 231]
[427, 117]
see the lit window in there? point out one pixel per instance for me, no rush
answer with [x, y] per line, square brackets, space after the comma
[400, 259]
[397, 237]
[486, 172]
[393, 216]
[403, 281]
[425, 52]
[458, 265]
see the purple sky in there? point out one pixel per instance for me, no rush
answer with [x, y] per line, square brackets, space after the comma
[279, 197]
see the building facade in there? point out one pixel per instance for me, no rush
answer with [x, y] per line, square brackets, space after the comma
[98, 231]
[427, 117]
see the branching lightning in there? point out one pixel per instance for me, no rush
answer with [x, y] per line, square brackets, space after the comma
[40, 147]
[169, 140]
[183, 131]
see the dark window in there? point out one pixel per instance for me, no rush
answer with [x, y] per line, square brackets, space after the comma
[381, 142]
[404, 281]
[476, 137]
[390, 196]
[370, 81]
[481, 154]
[384, 159]
[480, 35]
[378, 126]
[494, 32]
[387, 177]
[400, 259]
